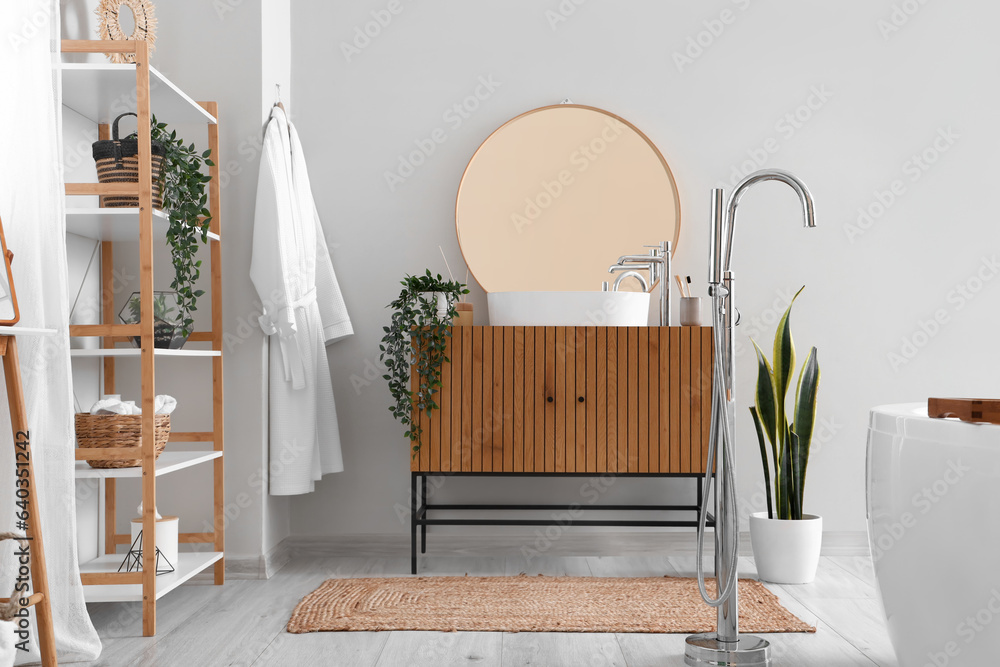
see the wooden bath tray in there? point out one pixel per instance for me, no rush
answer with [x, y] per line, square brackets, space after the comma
[967, 409]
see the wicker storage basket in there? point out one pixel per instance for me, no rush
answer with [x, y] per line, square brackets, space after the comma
[103, 431]
[118, 162]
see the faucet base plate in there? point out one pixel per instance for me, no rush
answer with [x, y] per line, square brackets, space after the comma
[706, 649]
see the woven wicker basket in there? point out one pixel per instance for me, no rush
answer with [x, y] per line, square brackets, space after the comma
[104, 431]
[118, 162]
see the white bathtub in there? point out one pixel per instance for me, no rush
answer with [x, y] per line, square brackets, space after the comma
[934, 530]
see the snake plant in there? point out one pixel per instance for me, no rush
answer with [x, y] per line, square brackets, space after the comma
[789, 440]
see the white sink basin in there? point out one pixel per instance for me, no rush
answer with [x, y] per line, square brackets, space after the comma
[571, 309]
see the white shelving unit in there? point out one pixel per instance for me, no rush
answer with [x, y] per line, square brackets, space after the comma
[115, 224]
[189, 564]
[103, 91]
[136, 352]
[167, 463]
[100, 92]
[25, 331]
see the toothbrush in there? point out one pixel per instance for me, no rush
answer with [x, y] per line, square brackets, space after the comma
[689, 286]
[680, 285]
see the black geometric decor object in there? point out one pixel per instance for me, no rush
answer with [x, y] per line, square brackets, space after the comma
[133, 559]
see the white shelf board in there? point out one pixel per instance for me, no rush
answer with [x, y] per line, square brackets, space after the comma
[135, 352]
[188, 566]
[115, 224]
[26, 331]
[168, 462]
[102, 91]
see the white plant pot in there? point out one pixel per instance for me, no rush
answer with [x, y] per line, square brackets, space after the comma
[442, 303]
[786, 552]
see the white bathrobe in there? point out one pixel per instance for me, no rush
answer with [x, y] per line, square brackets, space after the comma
[303, 311]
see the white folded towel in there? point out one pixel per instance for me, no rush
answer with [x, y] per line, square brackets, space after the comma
[164, 404]
[113, 405]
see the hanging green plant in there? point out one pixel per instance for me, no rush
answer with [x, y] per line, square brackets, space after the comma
[417, 336]
[183, 180]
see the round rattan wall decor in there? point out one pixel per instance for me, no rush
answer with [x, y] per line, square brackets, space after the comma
[110, 28]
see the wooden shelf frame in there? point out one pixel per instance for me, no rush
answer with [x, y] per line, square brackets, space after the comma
[112, 332]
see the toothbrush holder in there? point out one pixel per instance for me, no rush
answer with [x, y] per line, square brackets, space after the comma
[464, 316]
[691, 311]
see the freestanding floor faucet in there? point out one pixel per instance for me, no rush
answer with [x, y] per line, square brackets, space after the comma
[726, 646]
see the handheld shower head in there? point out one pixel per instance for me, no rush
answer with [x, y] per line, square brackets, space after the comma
[726, 646]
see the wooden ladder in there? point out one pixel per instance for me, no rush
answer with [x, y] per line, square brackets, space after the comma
[32, 526]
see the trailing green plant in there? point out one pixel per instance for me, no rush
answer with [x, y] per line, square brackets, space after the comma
[183, 185]
[789, 441]
[416, 337]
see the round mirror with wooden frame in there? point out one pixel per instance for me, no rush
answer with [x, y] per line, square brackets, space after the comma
[554, 196]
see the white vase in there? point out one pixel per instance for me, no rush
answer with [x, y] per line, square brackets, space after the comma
[785, 551]
[442, 303]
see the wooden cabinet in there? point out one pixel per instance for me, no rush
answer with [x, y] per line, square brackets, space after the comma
[571, 400]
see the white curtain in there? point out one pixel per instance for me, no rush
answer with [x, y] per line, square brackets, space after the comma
[32, 211]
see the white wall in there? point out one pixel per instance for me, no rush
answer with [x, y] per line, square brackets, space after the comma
[212, 51]
[276, 70]
[878, 103]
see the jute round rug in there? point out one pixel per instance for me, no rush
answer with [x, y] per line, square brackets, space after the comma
[531, 604]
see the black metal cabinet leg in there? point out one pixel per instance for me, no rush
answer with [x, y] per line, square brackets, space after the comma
[413, 523]
[423, 504]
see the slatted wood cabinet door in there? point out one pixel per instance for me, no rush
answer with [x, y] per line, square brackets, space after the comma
[571, 399]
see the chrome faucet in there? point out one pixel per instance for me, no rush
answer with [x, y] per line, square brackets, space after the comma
[657, 264]
[726, 646]
[630, 274]
[723, 227]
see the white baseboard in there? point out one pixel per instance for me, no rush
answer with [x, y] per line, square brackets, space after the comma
[259, 567]
[593, 543]
[603, 543]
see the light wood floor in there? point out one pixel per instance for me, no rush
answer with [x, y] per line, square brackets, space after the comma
[243, 622]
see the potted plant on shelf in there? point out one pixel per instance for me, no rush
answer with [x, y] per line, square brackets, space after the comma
[786, 541]
[417, 337]
[168, 328]
[182, 183]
